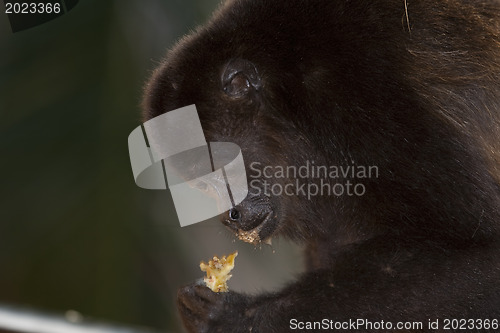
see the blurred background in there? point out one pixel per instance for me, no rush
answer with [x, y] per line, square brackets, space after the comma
[75, 231]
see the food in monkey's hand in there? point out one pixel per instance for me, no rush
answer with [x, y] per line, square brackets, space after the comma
[218, 270]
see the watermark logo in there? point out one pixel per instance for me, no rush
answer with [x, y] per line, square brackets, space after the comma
[205, 179]
[208, 179]
[310, 180]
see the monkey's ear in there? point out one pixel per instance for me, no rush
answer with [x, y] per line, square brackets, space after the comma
[239, 78]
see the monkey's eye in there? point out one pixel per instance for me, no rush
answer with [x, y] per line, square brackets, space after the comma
[238, 86]
[240, 77]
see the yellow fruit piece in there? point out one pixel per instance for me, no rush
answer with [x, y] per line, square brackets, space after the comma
[218, 272]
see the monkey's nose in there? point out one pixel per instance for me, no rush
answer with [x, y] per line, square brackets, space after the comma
[234, 214]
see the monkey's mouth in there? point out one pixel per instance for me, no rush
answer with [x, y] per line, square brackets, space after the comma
[251, 228]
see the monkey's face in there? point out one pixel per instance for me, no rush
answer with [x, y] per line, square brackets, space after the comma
[242, 102]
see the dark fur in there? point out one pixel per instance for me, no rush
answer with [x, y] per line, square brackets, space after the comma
[341, 81]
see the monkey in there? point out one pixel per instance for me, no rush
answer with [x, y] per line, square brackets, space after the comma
[412, 88]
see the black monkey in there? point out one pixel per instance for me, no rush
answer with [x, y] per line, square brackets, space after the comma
[412, 87]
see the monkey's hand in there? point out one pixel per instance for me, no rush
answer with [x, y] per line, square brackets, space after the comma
[203, 310]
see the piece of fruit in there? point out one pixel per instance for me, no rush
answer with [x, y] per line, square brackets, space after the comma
[218, 270]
